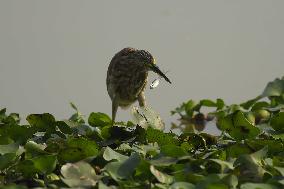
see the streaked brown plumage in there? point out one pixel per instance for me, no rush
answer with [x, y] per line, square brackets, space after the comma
[127, 77]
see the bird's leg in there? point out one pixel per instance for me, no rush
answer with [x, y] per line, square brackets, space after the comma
[141, 100]
[114, 110]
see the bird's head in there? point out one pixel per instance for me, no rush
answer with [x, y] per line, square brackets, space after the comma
[149, 61]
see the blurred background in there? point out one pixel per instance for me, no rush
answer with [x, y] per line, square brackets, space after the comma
[55, 52]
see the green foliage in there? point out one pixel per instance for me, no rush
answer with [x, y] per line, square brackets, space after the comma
[76, 149]
[99, 119]
[154, 135]
[277, 122]
[238, 126]
[79, 153]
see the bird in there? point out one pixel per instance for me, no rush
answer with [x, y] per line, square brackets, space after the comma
[127, 77]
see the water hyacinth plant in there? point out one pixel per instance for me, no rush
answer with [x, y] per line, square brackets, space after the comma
[88, 152]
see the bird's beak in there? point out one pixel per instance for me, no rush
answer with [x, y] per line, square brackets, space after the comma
[157, 70]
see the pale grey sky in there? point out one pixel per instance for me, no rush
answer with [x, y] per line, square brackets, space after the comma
[53, 52]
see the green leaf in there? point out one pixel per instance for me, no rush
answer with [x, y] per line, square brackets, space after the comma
[195, 141]
[127, 168]
[235, 108]
[27, 168]
[9, 148]
[41, 164]
[189, 108]
[208, 103]
[73, 106]
[123, 169]
[99, 119]
[142, 171]
[259, 105]
[2, 114]
[33, 149]
[80, 174]
[274, 88]
[248, 104]
[154, 135]
[278, 136]
[223, 166]
[77, 149]
[65, 126]
[225, 123]
[178, 110]
[110, 154]
[260, 154]
[112, 169]
[277, 122]
[161, 177]
[238, 126]
[274, 146]
[163, 161]
[105, 132]
[220, 104]
[280, 170]
[17, 133]
[43, 122]
[7, 160]
[76, 117]
[250, 166]
[104, 186]
[231, 180]
[45, 163]
[148, 149]
[236, 150]
[13, 118]
[182, 185]
[173, 150]
[85, 130]
[212, 181]
[13, 186]
[52, 177]
[258, 186]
